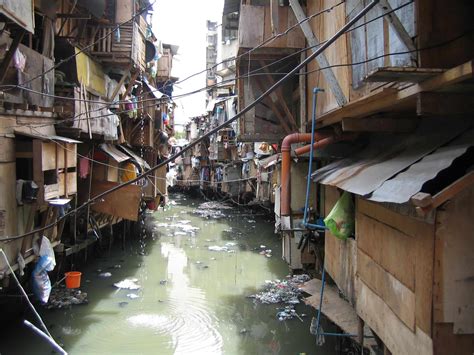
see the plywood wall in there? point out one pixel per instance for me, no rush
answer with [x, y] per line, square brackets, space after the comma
[394, 279]
[453, 293]
[324, 26]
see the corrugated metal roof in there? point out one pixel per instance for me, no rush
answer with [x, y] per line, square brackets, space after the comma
[113, 152]
[386, 156]
[154, 91]
[406, 184]
[47, 138]
[135, 157]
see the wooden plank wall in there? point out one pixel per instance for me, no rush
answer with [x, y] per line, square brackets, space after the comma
[394, 280]
[340, 256]
[453, 294]
[8, 204]
[255, 27]
[367, 42]
[324, 26]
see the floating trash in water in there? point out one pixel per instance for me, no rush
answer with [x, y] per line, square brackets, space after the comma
[117, 266]
[266, 252]
[65, 298]
[179, 233]
[132, 296]
[163, 282]
[68, 330]
[218, 248]
[123, 304]
[105, 274]
[129, 284]
[281, 291]
[243, 331]
[198, 262]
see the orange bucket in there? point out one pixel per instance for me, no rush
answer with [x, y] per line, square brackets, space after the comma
[73, 279]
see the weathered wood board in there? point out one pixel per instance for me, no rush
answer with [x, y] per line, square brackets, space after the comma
[122, 203]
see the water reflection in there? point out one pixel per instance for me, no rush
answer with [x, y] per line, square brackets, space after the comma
[192, 300]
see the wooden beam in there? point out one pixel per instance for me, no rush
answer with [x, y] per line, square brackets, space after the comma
[422, 199]
[275, 20]
[302, 88]
[387, 98]
[397, 25]
[378, 124]
[278, 97]
[445, 104]
[272, 103]
[9, 55]
[120, 83]
[446, 194]
[131, 83]
[321, 59]
[402, 74]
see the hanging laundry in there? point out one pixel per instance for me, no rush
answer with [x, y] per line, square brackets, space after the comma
[84, 167]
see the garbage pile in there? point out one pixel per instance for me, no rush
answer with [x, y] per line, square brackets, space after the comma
[211, 209]
[61, 298]
[282, 291]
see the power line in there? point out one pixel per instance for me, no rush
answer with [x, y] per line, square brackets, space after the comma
[249, 74]
[98, 197]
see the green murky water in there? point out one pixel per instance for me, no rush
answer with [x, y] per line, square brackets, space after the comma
[191, 300]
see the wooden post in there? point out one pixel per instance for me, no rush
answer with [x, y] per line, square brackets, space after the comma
[321, 59]
[9, 55]
[360, 334]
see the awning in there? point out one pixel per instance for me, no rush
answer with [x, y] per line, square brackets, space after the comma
[269, 161]
[393, 168]
[114, 153]
[135, 157]
[47, 138]
[154, 91]
[213, 102]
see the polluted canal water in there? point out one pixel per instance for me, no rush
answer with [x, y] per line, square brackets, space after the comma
[186, 292]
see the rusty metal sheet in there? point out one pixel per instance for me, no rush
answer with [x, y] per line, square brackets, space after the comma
[406, 184]
[386, 156]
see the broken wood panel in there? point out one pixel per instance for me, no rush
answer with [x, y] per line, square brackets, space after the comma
[388, 247]
[334, 307]
[398, 338]
[444, 104]
[453, 287]
[112, 204]
[398, 297]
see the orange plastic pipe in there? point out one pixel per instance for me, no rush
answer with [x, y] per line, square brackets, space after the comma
[325, 141]
[285, 197]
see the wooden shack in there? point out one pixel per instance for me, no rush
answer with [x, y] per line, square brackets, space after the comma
[399, 78]
[261, 25]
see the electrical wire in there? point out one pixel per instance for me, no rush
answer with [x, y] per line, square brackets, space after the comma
[250, 74]
[98, 197]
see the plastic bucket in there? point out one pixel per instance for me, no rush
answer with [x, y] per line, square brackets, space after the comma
[73, 279]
